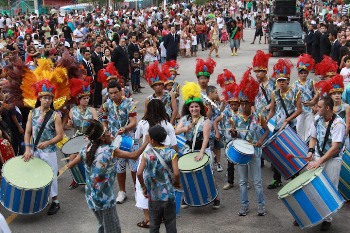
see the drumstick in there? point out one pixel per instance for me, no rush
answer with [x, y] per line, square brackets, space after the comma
[239, 130]
[290, 156]
[65, 159]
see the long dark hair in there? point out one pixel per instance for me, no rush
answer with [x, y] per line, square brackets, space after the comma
[94, 133]
[155, 112]
[186, 109]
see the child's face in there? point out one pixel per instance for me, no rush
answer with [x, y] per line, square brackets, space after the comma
[169, 86]
[234, 105]
[203, 81]
[347, 63]
[214, 95]
[136, 55]
[303, 74]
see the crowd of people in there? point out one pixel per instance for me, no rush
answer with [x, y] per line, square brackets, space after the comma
[82, 71]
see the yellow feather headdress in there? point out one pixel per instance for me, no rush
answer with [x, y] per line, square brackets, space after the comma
[191, 92]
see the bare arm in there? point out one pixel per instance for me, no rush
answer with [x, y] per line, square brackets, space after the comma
[206, 134]
[28, 154]
[272, 107]
[174, 108]
[131, 155]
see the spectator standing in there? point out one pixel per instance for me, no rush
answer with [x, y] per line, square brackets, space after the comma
[325, 44]
[335, 49]
[316, 45]
[78, 35]
[171, 43]
[121, 59]
[67, 32]
[309, 39]
[96, 60]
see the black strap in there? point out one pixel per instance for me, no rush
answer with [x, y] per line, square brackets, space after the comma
[325, 136]
[265, 94]
[250, 121]
[46, 119]
[283, 104]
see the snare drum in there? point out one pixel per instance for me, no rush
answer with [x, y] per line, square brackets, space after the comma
[279, 149]
[124, 142]
[239, 151]
[197, 180]
[62, 142]
[25, 186]
[74, 145]
[344, 181]
[77, 172]
[310, 198]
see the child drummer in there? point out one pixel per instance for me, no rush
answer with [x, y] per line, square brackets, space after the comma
[248, 126]
[285, 106]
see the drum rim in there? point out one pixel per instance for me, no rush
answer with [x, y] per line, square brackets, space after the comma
[237, 148]
[198, 168]
[31, 213]
[21, 188]
[70, 140]
[285, 194]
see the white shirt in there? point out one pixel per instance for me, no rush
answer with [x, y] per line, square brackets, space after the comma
[2, 20]
[76, 33]
[345, 72]
[220, 22]
[162, 49]
[194, 40]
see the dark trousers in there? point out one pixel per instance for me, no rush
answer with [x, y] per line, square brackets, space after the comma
[171, 57]
[276, 174]
[159, 210]
[97, 94]
[17, 139]
[230, 172]
[201, 39]
[135, 80]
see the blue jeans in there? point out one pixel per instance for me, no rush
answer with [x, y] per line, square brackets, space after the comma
[255, 169]
[201, 39]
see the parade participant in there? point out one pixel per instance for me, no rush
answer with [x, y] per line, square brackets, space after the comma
[119, 117]
[230, 94]
[327, 68]
[171, 67]
[98, 157]
[106, 75]
[159, 175]
[155, 115]
[308, 94]
[195, 126]
[326, 143]
[79, 114]
[203, 71]
[253, 123]
[285, 105]
[156, 80]
[266, 85]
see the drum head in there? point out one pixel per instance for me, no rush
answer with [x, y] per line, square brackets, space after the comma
[188, 163]
[243, 146]
[34, 174]
[116, 142]
[299, 182]
[74, 145]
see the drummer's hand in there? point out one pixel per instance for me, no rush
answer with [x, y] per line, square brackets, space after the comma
[199, 157]
[27, 155]
[259, 143]
[121, 131]
[313, 165]
[285, 123]
[176, 185]
[308, 104]
[43, 145]
[310, 156]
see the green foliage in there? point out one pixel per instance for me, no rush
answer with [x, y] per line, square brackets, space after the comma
[3, 3]
[203, 2]
[346, 1]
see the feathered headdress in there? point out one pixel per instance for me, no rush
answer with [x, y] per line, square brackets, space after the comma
[107, 74]
[46, 80]
[334, 84]
[74, 69]
[79, 88]
[248, 88]
[205, 68]
[261, 61]
[281, 70]
[231, 92]
[327, 67]
[166, 72]
[305, 62]
[153, 74]
[173, 66]
[191, 92]
[225, 78]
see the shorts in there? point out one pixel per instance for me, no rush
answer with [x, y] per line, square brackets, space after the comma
[218, 144]
[259, 32]
[234, 43]
[120, 165]
[194, 48]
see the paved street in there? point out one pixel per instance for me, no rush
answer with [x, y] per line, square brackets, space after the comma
[75, 216]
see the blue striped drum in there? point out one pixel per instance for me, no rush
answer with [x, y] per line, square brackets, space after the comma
[181, 143]
[239, 151]
[311, 197]
[77, 172]
[197, 180]
[25, 186]
[281, 148]
[344, 181]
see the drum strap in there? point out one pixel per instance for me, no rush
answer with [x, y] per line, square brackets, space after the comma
[196, 132]
[161, 160]
[250, 121]
[283, 104]
[46, 119]
[325, 136]
[265, 94]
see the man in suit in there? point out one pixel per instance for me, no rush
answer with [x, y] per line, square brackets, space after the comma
[132, 47]
[120, 58]
[96, 60]
[335, 50]
[88, 66]
[309, 39]
[316, 44]
[325, 44]
[171, 44]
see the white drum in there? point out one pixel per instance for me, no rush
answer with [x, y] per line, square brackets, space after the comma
[74, 145]
[239, 151]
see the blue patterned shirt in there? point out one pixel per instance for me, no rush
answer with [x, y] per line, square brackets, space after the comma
[260, 99]
[166, 99]
[306, 91]
[157, 179]
[290, 102]
[79, 118]
[100, 177]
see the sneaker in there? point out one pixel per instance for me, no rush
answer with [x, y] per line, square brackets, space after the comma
[236, 54]
[232, 54]
[54, 208]
[73, 185]
[326, 226]
[227, 186]
[261, 210]
[121, 197]
[274, 184]
[219, 168]
[243, 211]
[184, 205]
[216, 204]
[295, 223]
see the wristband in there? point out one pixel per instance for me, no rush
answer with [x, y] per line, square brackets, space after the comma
[312, 150]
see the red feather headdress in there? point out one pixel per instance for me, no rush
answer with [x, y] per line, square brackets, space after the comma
[107, 74]
[334, 84]
[153, 74]
[79, 88]
[261, 61]
[305, 62]
[172, 64]
[205, 68]
[230, 92]
[248, 88]
[225, 78]
[327, 67]
[282, 68]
